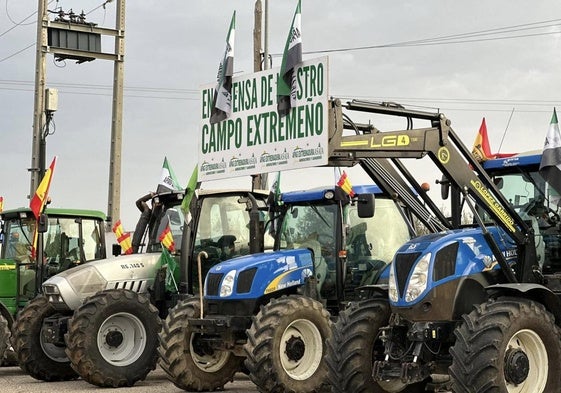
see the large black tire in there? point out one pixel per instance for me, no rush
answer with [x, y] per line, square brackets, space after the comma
[112, 338]
[356, 345]
[503, 342]
[4, 338]
[191, 365]
[286, 345]
[43, 361]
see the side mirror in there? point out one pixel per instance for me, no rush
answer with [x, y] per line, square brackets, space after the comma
[43, 223]
[499, 182]
[116, 250]
[444, 187]
[365, 205]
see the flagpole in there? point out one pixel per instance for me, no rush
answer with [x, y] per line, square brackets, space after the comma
[506, 129]
[266, 38]
[259, 181]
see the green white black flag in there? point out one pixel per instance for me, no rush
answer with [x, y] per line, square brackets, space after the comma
[222, 102]
[550, 166]
[168, 180]
[292, 56]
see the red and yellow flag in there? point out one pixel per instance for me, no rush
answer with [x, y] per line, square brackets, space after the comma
[124, 238]
[346, 185]
[37, 203]
[481, 149]
[1, 204]
[166, 238]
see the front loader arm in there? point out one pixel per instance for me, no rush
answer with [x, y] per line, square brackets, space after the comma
[447, 152]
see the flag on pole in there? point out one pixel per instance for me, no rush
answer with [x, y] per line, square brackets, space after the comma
[37, 203]
[123, 238]
[346, 185]
[273, 200]
[33, 250]
[168, 261]
[292, 56]
[192, 187]
[550, 166]
[166, 238]
[168, 180]
[222, 102]
[274, 192]
[1, 204]
[481, 149]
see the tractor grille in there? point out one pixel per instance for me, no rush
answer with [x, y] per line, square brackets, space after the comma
[445, 262]
[133, 285]
[403, 264]
[213, 281]
[245, 279]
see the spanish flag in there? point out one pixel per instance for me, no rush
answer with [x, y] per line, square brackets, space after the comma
[124, 238]
[481, 149]
[166, 238]
[1, 204]
[346, 185]
[37, 203]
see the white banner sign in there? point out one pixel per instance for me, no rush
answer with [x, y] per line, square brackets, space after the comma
[255, 139]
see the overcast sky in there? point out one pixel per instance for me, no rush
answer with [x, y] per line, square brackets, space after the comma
[173, 47]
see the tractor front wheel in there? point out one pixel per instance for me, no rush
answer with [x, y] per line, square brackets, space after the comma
[508, 345]
[112, 338]
[356, 345]
[192, 364]
[286, 345]
[36, 356]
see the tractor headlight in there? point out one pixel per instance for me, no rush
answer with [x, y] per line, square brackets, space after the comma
[86, 281]
[227, 286]
[418, 279]
[392, 284]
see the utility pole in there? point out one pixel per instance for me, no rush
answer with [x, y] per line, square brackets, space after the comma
[56, 37]
[39, 101]
[114, 197]
[259, 181]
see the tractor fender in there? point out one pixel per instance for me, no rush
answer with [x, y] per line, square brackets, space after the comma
[372, 291]
[535, 292]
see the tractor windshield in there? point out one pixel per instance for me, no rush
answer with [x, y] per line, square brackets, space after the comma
[18, 234]
[223, 230]
[68, 242]
[539, 204]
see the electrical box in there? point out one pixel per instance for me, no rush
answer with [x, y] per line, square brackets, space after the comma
[74, 40]
[51, 100]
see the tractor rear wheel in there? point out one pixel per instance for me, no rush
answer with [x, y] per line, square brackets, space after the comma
[356, 346]
[508, 345]
[112, 338]
[286, 346]
[191, 364]
[40, 359]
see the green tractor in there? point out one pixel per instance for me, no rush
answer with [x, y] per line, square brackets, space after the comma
[70, 237]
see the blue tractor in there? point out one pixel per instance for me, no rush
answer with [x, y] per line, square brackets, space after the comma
[472, 309]
[270, 314]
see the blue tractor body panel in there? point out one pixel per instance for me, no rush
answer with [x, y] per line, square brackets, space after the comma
[260, 274]
[454, 254]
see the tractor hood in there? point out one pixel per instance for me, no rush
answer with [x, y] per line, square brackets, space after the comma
[135, 272]
[426, 262]
[253, 276]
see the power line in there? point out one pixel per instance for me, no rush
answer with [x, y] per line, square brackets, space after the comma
[17, 24]
[459, 38]
[103, 87]
[18, 52]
